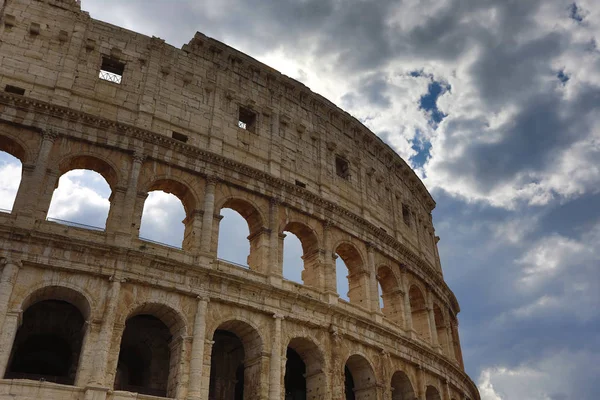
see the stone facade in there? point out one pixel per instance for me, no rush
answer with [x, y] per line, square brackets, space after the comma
[106, 315]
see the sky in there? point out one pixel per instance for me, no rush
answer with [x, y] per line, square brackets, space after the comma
[492, 102]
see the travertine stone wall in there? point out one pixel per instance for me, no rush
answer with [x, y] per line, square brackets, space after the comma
[280, 174]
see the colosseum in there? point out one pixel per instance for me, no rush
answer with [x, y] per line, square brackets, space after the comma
[101, 314]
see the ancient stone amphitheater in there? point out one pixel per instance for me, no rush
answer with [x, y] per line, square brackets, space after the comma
[102, 314]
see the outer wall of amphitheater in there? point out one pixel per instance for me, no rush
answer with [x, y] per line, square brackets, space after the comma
[103, 314]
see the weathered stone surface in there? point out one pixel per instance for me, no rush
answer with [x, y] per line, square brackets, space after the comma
[218, 130]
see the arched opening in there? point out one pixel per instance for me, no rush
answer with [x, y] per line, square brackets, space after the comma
[233, 238]
[10, 180]
[304, 377]
[441, 329]
[235, 367]
[391, 295]
[145, 364]
[301, 254]
[295, 381]
[360, 383]
[81, 198]
[163, 219]
[358, 278]
[418, 312]
[401, 387]
[432, 394]
[48, 343]
[231, 244]
[168, 215]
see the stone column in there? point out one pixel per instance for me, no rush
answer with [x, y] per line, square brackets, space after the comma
[103, 344]
[180, 345]
[208, 216]
[8, 278]
[275, 365]
[12, 320]
[198, 343]
[337, 372]
[205, 385]
[127, 211]
[275, 266]
[408, 327]
[447, 390]
[432, 326]
[330, 286]
[86, 364]
[420, 389]
[33, 198]
[373, 287]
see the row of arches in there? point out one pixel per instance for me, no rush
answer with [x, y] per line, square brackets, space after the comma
[49, 346]
[297, 247]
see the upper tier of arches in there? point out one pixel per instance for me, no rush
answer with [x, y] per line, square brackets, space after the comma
[323, 239]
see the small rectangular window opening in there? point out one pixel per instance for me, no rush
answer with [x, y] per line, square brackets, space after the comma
[300, 183]
[14, 89]
[247, 119]
[406, 214]
[111, 70]
[342, 167]
[179, 136]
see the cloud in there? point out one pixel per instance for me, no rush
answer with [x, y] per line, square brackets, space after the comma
[551, 378]
[10, 176]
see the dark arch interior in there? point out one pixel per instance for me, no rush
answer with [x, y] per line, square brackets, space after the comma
[144, 358]
[348, 384]
[295, 380]
[226, 367]
[48, 343]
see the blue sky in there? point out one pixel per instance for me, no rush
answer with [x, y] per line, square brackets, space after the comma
[494, 103]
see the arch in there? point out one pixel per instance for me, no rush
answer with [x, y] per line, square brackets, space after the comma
[402, 389]
[441, 328]
[358, 278]
[258, 235]
[432, 393]
[360, 382]
[249, 211]
[168, 315]
[15, 148]
[309, 382]
[391, 294]
[235, 370]
[93, 163]
[49, 342]
[81, 198]
[150, 350]
[186, 238]
[310, 252]
[72, 295]
[177, 188]
[419, 313]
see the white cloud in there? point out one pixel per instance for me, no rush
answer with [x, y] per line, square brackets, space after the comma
[10, 177]
[550, 378]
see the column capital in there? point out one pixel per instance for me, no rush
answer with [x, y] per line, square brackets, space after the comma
[203, 298]
[138, 156]
[211, 180]
[6, 261]
[370, 247]
[278, 316]
[327, 224]
[116, 279]
[275, 201]
[50, 134]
